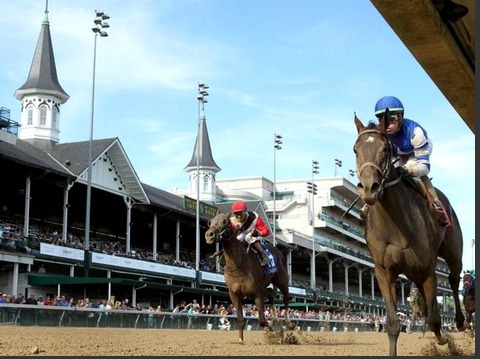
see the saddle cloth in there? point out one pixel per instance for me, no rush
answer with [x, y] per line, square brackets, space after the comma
[271, 266]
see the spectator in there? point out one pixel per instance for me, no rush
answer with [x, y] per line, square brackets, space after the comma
[224, 323]
[40, 300]
[48, 301]
[42, 269]
[126, 304]
[151, 317]
[62, 302]
[31, 300]
[20, 299]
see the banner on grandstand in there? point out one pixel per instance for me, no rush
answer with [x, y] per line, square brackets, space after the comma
[205, 209]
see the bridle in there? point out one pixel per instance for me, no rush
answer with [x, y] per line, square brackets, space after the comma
[468, 281]
[222, 231]
[384, 172]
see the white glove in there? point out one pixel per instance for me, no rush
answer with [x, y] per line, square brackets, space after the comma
[250, 238]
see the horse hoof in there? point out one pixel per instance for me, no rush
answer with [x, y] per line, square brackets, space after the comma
[442, 340]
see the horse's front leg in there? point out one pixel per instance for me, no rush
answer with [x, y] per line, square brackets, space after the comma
[387, 286]
[238, 304]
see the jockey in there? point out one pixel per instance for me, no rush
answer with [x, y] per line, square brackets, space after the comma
[413, 146]
[251, 227]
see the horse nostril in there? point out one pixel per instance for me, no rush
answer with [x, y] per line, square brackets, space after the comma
[375, 187]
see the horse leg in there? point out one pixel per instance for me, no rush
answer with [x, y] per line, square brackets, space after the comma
[280, 280]
[261, 312]
[238, 304]
[429, 290]
[414, 320]
[452, 250]
[459, 317]
[273, 308]
[286, 302]
[387, 286]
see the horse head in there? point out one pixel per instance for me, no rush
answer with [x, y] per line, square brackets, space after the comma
[374, 153]
[414, 296]
[468, 280]
[218, 228]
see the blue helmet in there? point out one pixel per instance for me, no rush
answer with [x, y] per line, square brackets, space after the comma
[392, 103]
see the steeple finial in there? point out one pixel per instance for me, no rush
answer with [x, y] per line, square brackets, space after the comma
[45, 20]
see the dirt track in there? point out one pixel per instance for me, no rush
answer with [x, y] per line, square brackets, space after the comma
[48, 341]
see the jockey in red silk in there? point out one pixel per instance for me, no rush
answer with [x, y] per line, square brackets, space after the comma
[251, 227]
[413, 146]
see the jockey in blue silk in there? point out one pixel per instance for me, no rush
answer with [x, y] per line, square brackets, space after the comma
[413, 147]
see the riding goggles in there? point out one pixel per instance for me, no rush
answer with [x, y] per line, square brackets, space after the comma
[239, 215]
[392, 118]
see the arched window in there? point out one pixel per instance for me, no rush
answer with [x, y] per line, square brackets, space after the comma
[43, 115]
[54, 117]
[205, 184]
[30, 115]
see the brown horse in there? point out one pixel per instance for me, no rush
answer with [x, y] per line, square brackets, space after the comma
[245, 276]
[468, 292]
[402, 234]
[419, 308]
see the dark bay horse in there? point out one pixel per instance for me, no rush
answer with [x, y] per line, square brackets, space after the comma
[244, 275]
[402, 234]
[468, 292]
[419, 308]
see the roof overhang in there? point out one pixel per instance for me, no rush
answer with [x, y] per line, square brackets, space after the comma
[445, 49]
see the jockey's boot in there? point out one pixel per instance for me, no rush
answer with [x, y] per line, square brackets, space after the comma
[437, 208]
[263, 254]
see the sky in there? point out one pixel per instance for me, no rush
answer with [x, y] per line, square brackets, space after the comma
[297, 68]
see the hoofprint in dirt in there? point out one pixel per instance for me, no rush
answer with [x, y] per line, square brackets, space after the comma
[49, 341]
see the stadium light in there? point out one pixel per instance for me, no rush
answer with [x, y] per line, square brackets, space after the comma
[277, 141]
[201, 97]
[312, 188]
[100, 24]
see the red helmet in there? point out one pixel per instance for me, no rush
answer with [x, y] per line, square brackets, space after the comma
[239, 206]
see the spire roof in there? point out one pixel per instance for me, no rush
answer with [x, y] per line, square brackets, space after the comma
[43, 78]
[206, 160]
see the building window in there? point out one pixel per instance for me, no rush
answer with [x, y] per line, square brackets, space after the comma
[54, 117]
[30, 115]
[205, 184]
[43, 115]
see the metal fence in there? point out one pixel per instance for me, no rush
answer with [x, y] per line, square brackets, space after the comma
[55, 316]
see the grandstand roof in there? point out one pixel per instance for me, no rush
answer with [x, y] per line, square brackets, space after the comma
[26, 154]
[74, 156]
